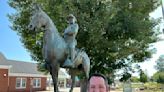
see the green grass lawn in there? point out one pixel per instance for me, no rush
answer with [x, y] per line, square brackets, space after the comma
[147, 87]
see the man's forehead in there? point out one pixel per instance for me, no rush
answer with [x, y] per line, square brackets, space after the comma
[96, 79]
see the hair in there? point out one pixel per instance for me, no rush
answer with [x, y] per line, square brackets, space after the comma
[99, 75]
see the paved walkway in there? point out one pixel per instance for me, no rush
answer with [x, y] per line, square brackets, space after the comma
[76, 89]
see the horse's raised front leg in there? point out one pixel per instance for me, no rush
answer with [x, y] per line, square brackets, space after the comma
[54, 71]
[73, 82]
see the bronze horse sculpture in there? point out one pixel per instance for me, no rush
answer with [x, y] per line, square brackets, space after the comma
[54, 48]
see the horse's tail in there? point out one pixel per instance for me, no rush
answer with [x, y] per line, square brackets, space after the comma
[86, 64]
[81, 57]
[79, 53]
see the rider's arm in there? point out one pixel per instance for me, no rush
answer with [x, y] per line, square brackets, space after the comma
[73, 29]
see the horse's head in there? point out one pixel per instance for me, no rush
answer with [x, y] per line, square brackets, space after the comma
[38, 19]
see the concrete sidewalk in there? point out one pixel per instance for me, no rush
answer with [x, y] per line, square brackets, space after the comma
[76, 89]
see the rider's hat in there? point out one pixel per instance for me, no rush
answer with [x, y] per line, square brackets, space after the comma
[71, 16]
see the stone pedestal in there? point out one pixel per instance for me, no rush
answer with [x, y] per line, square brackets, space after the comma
[127, 87]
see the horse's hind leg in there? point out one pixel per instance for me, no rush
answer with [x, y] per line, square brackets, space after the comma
[73, 82]
[47, 66]
[54, 71]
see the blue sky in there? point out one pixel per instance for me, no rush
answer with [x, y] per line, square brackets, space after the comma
[13, 49]
[10, 44]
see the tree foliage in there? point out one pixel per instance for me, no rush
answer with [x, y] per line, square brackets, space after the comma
[135, 79]
[160, 64]
[158, 77]
[143, 77]
[114, 33]
[125, 77]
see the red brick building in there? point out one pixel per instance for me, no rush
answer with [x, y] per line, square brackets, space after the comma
[17, 76]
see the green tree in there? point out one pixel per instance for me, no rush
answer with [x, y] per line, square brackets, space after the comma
[135, 79]
[160, 64]
[158, 77]
[114, 33]
[143, 77]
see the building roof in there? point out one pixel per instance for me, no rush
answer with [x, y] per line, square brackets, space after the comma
[22, 67]
[19, 66]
